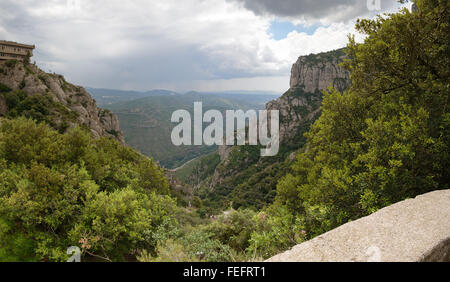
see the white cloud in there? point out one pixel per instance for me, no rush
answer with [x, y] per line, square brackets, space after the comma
[141, 44]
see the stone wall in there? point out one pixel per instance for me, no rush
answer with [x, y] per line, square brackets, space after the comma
[409, 231]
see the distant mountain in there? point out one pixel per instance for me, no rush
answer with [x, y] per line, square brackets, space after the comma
[110, 96]
[146, 122]
[105, 96]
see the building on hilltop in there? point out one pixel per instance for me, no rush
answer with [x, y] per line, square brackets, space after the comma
[15, 51]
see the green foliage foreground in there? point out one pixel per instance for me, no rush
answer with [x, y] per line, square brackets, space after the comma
[60, 190]
[382, 141]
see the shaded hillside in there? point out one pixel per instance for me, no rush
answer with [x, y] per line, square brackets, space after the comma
[147, 126]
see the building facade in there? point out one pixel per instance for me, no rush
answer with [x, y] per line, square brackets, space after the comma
[15, 51]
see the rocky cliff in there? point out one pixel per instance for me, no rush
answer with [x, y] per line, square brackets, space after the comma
[310, 75]
[319, 71]
[73, 100]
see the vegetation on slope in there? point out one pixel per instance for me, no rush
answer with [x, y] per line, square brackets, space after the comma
[41, 108]
[385, 139]
[248, 180]
[198, 170]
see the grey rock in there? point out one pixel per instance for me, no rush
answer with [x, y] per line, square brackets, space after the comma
[319, 72]
[409, 231]
[309, 76]
[75, 98]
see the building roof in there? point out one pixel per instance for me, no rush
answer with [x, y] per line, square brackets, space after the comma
[11, 43]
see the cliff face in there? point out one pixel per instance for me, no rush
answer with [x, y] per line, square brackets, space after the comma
[310, 75]
[75, 99]
[319, 71]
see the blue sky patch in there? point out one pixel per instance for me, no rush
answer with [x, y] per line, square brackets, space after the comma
[280, 29]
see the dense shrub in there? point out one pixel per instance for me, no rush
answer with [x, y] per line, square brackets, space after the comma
[385, 139]
[60, 190]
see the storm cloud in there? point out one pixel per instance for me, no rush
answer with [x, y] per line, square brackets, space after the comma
[323, 10]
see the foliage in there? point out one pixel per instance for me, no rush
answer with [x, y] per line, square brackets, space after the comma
[40, 107]
[385, 139]
[233, 228]
[169, 251]
[225, 239]
[198, 170]
[60, 190]
[277, 229]
[4, 88]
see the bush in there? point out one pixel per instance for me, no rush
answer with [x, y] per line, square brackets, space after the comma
[4, 88]
[61, 190]
[384, 140]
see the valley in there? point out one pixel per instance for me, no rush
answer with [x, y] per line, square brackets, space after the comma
[147, 126]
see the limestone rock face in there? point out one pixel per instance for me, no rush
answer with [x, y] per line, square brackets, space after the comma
[409, 231]
[34, 81]
[295, 109]
[319, 72]
[224, 151]
[309, 76]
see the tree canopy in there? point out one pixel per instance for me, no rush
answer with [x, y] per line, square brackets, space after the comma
[60, 190]
[386, 138]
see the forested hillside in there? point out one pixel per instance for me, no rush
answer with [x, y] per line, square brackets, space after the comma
[62, 184]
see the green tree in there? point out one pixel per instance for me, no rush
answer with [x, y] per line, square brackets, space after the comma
[386, 138]
[61, 190]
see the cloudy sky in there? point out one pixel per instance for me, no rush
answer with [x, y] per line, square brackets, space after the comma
[181, 45]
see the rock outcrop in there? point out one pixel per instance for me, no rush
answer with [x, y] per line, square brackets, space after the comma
[29, 78]
[318, 72]
[310, 75]
[409, 231]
